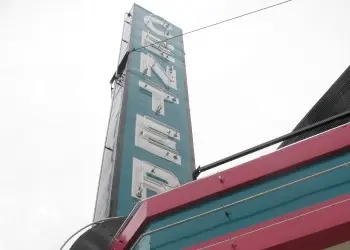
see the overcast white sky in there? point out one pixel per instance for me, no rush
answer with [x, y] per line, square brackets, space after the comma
[250, 80]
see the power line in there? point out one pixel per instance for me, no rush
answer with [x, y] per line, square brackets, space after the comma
[214, 24]
[122, 64]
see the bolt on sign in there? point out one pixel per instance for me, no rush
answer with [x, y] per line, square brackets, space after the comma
[149, 147]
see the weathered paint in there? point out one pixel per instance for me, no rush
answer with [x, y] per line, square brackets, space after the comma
[314, 228]
[138, 102]
[149, 146]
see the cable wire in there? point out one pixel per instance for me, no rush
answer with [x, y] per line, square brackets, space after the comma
[212, 25]
[122, 65]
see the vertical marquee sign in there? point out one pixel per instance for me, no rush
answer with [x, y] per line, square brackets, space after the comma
[149, 147]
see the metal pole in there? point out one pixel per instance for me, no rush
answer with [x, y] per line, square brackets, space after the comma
[199, 170]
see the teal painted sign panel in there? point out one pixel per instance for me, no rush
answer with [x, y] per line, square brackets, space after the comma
[271, 205]
[156, 149]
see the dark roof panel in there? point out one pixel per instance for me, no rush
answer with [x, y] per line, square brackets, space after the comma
[336, 100]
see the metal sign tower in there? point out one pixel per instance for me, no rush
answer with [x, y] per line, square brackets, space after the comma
[149, 147]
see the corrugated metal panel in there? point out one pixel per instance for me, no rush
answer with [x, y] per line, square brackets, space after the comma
[336, 100]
